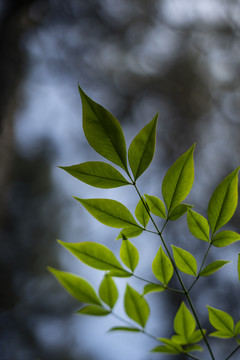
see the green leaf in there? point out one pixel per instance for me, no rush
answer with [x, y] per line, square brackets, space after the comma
[238, 266]
[165, 349]
[237, 328]
[97, 173]
[93, 310]
[221, 334]
[76, 286]
[141, 213]
[129, 254]
[178, 211]
[198, 225]
[223, 202]
[119, 273]
[142, 148]
[213, 267]
[152, 288]
[193, 348]
[185, 261]
[108, 291]
[162, 267]
[156, 206]
[129, 232]
[196, 336]
[172, 345]
[93, 254]
[103, 131]
[124, 328]
[221, 321]
[184, 322]
[109, 212]
[225, 238]
[178, 180]
[136, 306]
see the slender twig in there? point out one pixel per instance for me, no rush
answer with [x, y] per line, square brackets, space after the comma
[153, 283]
[204, 259]
[233, 352]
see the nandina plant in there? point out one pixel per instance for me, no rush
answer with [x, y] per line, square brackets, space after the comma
[105, 135]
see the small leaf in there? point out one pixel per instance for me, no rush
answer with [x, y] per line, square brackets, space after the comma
[141, 213]
[129, 254]
[193, 348]
[237, 328]
[152, 288]
[156, 206]
[213, 267]
[129, 232]
[76, 286]
[93, 254]
[165, 349]
[93, 310]
[196, 336]
[238, 266]
[178, 180]
[223, 202]
[172, 345]
[136, 306]
[97, 173]
[185, 261]
[225, 238]
[178, 211]
[184, 322]
[124, 328]
[108, 291]
[119, 273]
[109, 212]
[221, 321]
[162, 267]
[142, 148]
[221, 334]
[103, 131]
[198, 225]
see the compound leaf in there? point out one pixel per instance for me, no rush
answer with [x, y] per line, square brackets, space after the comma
[76, 286]
[142, 148]
[223, 202]
[136, 306]
[221, 321]
[162, 267]
[225, 238]
[213, 267]
[103, 131]
[184, 322]
[156, 206]
[97, 173]
[198, 225]
[185, 261]
[108, 291]
[93, 310]
[129, 254]
[178, 180]
[178, 211]
[141, 213]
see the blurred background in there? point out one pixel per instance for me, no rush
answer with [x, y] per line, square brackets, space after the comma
[136, 58]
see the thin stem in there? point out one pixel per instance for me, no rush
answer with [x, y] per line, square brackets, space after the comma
[204, 259]
[151, 282]
[152, 232]
[233, 352]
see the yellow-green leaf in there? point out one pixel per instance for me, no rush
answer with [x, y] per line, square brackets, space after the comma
[184, 322]
[185, 261]
[108, 291]
[141, 213]
[129, 254]
[198, 225]
[136, 306]
[162, 267]
[225, 238]
[93, 310]
[156, 206]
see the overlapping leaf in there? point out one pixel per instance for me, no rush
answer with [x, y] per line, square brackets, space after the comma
[162, 267]
[156, 206]
[185, 261]
[136, 306]
[178, 211]
[129, 254]
[129, 232]
[184, 322]
[198, 225]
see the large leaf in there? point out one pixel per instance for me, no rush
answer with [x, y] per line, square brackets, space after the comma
[162, 267]
[178, 180]
[198, 225]
[223, 202]
[76, 286]
[93, 310]
[108, 291]
[156, 206]
[142, 148]
[213, 267]
[103, 131]
[136, 306]
[97, 173]
[225, 238]
[109, 212]
[93, 254]
[141, 213]
[129, 254]
[185, 261]
[184, 322]
[221, 321]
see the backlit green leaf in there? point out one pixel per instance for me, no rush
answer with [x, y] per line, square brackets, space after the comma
[171, 345]
[130, 232]
[136, 306]
[103, 131]
[156, 206]
[93, 310]
[191, 348]
[124, 328]
[76, 286]
[225, 238]
[185, 261]
[109, 212]
[142, 148]
[129, 254]
[97, 173]
[152, 288]
[223, 202]
[141, 213]
[198, 225]
[178, 180]
[221, 334]
[237, 328]
[108, 291]
[196, 336]
[178, 211]
[184, 322]
[119, 273]
[213, 267]
[162, 267]
[221, 321]
[165, 349]
[93, 254]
